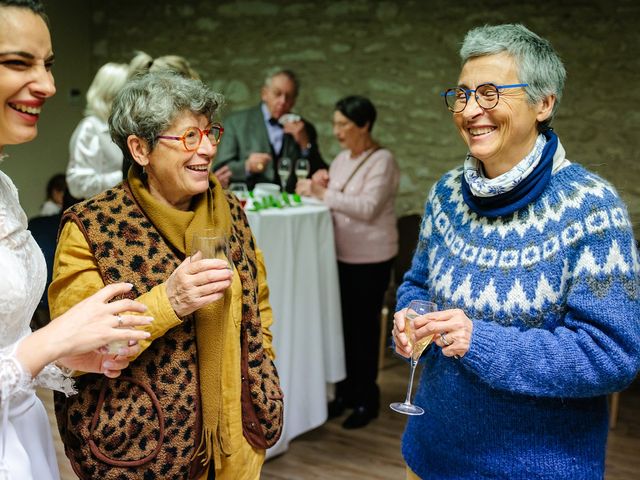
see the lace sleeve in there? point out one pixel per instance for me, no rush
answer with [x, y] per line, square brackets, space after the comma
[14, 378]
[53, 378]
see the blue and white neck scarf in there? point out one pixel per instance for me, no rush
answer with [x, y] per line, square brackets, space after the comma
[503, 195]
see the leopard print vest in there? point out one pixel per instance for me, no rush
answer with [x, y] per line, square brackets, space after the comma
[147, 422]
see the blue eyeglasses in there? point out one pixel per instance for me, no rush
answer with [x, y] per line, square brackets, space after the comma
[487, 96]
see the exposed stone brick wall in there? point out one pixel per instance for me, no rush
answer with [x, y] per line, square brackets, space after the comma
[401, 54]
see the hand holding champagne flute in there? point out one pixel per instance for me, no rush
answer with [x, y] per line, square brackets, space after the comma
[415, 309]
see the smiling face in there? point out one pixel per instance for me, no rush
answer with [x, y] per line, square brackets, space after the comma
[503, 136]
[175, 175]
[26, 81]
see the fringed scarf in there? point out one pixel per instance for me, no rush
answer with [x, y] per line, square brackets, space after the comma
[208, 210]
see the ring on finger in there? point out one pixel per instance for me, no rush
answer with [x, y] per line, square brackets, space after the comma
[444, 339]
[119, 321]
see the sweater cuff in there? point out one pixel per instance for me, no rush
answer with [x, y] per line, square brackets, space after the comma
[481, 356]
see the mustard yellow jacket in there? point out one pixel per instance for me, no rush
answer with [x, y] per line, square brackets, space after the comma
[76, 276]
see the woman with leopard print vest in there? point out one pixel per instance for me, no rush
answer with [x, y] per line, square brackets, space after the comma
[203, 399]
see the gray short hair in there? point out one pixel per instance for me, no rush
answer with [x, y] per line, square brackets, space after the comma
[149, 104]
[538, 63]
[275, 71]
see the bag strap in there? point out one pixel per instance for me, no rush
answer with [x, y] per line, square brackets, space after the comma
[355, 170]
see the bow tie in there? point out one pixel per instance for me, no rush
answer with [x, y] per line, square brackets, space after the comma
[274, 122]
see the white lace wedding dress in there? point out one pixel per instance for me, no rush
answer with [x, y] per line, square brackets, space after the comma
[26, 446]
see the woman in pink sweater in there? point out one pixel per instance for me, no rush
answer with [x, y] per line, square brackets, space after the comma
[360, 189]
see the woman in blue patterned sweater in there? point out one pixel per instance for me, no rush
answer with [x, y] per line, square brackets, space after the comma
[532, 261]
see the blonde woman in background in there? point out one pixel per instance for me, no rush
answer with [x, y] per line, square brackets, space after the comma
[95, 162]
[143, 63]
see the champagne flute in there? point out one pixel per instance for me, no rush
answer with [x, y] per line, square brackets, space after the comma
[284, 169]
[416, 308]
[212, 245]
[302, 168]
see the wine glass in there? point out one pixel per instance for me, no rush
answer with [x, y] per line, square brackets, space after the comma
[302, 168]
[416, 308]
[212, 245]
[241, 191]
[284, 169]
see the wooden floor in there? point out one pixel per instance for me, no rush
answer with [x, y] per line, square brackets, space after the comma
[330, 452]
[372, 453]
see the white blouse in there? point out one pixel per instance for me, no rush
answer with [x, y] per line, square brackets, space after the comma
[95, 162]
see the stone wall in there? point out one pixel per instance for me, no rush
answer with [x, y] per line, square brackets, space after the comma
[401, 54]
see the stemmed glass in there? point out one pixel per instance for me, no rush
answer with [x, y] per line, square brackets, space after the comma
[416, 308]
[212, 245]
[241, 191]
[302, 168]
[284, 169]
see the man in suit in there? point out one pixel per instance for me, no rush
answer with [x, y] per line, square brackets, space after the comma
[257, 138]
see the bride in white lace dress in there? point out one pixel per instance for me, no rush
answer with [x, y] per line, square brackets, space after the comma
[76, 339]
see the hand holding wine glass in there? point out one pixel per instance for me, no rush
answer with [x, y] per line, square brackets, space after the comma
[198, 281]
[415, 309]
[203, 277]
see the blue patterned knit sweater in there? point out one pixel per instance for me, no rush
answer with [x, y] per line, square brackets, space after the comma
[553, 292]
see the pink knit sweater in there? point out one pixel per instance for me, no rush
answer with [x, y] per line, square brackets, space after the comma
[364, 218]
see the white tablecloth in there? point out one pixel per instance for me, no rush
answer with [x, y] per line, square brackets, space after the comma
[302, 274]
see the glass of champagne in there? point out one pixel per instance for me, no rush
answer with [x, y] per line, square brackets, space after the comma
[212, 245]
[416, 308]
[284, 169]
[302, 168]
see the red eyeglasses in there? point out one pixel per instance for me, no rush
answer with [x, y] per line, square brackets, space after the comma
[192, 136]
